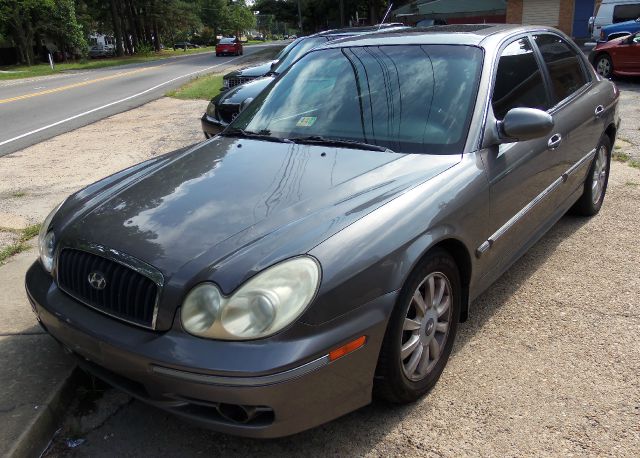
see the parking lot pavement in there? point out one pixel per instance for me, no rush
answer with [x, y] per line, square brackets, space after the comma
[548, 363]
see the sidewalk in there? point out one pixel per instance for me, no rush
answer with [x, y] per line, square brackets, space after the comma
[34, 368]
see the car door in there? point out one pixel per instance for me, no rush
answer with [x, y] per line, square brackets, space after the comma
[576, 110]
[627, 55]
[520, 172]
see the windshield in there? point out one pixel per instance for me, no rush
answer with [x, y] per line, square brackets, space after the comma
[286, 49]
[410, 99]
[304, 45]
[227, 41]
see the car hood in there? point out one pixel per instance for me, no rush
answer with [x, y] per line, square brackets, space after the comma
[238, 94]
[229, 207]
[610, 44]
[254, 71]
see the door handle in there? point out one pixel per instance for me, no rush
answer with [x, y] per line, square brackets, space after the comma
[554, 141]
[599, 110]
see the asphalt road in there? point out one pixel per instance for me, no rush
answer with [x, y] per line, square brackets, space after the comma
[40, 108]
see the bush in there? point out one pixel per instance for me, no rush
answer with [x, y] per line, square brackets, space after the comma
[144, 49]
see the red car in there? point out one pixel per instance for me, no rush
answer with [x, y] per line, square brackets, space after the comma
[229, 46]
[620, 57]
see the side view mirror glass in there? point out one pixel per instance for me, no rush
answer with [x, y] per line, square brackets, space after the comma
[245, 102]
[521, 124]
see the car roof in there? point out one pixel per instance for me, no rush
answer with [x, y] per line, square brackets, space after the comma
[350, 31]
[462, 34]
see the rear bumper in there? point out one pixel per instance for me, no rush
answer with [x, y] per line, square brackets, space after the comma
[212, 126]
[187, 375]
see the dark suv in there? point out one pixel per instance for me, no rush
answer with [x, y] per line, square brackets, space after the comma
[246, 84]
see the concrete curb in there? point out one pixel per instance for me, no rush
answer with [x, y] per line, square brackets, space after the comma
[41, 429]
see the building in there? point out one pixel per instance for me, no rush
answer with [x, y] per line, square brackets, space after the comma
[570, 16]
[452, 11]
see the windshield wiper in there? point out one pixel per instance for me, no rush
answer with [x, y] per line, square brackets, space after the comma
[320, 140]
[262, 135]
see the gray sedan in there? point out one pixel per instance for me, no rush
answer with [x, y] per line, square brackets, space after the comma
[327, 245]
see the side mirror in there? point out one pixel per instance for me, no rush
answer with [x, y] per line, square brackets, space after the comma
[521, 124]
[245, 102]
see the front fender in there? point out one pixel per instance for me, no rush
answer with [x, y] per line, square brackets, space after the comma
[375, 255]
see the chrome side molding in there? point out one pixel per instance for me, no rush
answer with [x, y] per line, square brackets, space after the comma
[487, 244]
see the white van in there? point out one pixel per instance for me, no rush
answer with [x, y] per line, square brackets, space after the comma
[612, 12]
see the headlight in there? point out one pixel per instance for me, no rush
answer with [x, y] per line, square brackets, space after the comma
[225, 82]
[47, 240]
[261, 307]
[211, 109]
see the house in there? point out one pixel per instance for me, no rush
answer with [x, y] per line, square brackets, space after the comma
[570, 16]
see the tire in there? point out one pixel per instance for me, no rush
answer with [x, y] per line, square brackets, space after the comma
[604, 65]
[217, 54]
[595, 185]
[397, 379]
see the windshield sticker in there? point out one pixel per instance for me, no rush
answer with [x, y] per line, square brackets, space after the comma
[306, 121]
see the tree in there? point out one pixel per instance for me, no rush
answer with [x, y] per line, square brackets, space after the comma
[64, 27]
[239, 18]
[22, 20]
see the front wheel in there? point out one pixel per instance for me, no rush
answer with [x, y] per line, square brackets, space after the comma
[595, 185]
[421, 330]
[604, 66]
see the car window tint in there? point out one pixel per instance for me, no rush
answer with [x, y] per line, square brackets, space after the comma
[519, 81]
[413, 99]
[622, 13]
[565, 70]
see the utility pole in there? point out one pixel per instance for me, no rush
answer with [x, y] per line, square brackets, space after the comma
[299, 17]
[341, 13]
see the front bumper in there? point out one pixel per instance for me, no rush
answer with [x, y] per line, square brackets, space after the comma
[193, 378]
[212, 126]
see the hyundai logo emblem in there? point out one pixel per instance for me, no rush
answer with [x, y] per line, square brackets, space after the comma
[97, 281]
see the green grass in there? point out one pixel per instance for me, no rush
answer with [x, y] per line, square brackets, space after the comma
[18, 194]
[30, 232]
[21, 245]
[201, 88]
[632, 184]
[17, 71]
[635, 164]
[11, 250]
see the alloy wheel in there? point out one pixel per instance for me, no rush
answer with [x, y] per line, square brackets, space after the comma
[426, 326]
[599, 175]
[604, 67]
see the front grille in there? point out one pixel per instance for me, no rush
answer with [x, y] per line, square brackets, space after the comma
[125, 294]
[228, 112]
[238, 80]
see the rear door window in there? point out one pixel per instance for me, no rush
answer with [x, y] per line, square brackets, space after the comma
[519, 82]
[622, 13]
[565, 69]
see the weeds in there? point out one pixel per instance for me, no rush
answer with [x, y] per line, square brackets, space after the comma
[18, 247]
[620, 156]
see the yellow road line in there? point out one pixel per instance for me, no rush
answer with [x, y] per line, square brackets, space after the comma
[80, 84]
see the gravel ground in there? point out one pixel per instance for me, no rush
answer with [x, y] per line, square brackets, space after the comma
[548, 363]
[629, 135]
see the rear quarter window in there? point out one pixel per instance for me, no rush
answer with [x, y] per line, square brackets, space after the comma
[564, 65]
